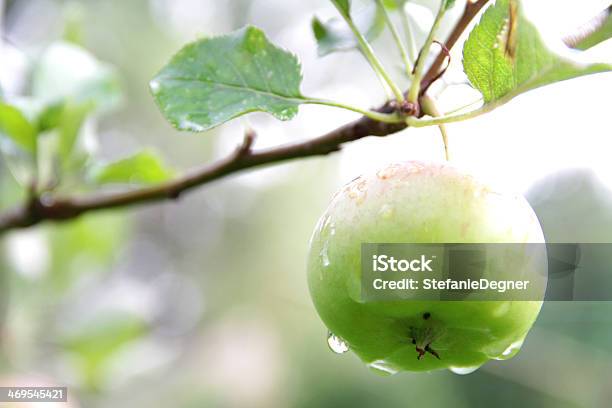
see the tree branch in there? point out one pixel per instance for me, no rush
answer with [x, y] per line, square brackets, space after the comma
[47, 207]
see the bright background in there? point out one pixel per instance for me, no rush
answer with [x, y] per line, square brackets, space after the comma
[203, 302]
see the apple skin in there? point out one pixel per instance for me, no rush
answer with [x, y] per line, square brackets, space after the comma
[418, 202]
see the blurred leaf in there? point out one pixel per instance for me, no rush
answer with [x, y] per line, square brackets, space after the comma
[217, 79]
[50, 117]
[67, 118]
[66, 71]
[4, 288]
[30, 107]
[505, 55]
[84, 246]
[595, 31]
[60, 124]
[100, 337]
[19, 142]
[449, 3]
[144, 168]
[68, 85]
[98, 341]
[11, 190]
[15, 126]
[70, 122]
[394, 4]
[335, 35]
[343, 5]
[73, 23]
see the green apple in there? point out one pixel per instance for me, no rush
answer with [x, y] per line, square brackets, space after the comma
[418, 202]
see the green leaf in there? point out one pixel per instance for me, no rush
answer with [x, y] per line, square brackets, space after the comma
[217, 79]
[505, 55]
[16, 127]
[594, 32]
[335, 35]
[68, 72]
[142, 168]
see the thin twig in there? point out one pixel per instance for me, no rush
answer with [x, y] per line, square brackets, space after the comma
[396, 36]
[419, 65]
[412, 50]
[370, 55]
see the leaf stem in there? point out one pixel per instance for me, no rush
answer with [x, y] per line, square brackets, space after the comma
[464, 107]
[368, 52]
[415, 88]
[486, 108]
[412, 49]
[430, 107]
[378, 116]
[396, 36]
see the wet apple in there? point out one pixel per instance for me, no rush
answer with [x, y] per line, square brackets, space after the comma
[418, 202]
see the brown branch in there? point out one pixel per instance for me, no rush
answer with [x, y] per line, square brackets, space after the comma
[47, 207]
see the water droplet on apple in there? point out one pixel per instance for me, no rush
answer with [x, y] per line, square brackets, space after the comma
[387, 211]
[383, 368]
[323, 224]
[502, 309]
[511, 350]
[324, 256]
[336, 344]
[463, 370]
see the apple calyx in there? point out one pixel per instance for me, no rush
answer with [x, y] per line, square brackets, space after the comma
[422, 337]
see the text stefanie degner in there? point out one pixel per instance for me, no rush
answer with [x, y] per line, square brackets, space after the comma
[500, 286]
